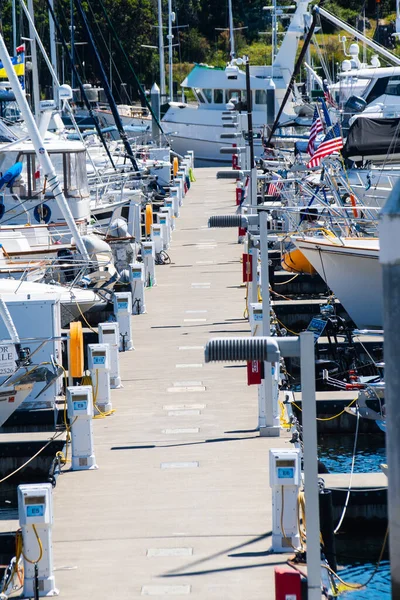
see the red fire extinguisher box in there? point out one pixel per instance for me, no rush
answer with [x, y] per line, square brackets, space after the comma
[254, 372]
[287, 583]
[247, 268]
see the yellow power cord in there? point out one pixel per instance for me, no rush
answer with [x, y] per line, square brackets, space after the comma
[87, 380]
[359, 586]
[64, 458]
[34, 562]
[85, 319]
[15, 570]
[327, 418]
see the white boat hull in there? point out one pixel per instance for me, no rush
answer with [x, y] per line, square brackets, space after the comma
[11, 400]
[353, 274]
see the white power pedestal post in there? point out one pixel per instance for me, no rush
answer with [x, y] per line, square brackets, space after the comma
[181, 177]
[134, 220]
[149, 256]
[109, 334]
[157, 237]
[256, 318]
[99, 367]
[285, 480]
[164, 220]
[35, 512]
[190, 153]
[169, 205]
[176, 197]
[80, 414]
[136, 278]
[123, 312]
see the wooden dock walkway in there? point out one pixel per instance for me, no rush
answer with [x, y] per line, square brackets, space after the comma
[181, 503]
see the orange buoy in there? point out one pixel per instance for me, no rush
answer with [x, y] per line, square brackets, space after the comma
[76, 349]
[175, 165]
[148, 219]
[356, 213]
[294, 261]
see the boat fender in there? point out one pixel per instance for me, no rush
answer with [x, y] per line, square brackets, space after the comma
[11, 175]
[353, 201]
[76, 349]
[42, 212]
[118, 228]
[148, 218]
[175, 166]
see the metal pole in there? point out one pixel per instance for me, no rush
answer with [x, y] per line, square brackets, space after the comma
[41, 152]
[170, 38]
[14, 25]
[53, 49]
[35, 72]
[252, 166]
[71, 8]
[274, 36]
[254, 263]
[231, 31]
[161, 51]
[389, 230]
[155, 105]
[307, 366]
[271, 426]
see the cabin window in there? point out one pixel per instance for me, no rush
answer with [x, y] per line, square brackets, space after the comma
[237, 95]
[261, 97]
[208, 95]
[378, 89]
[76, 175]
[199, 95]
[393, 86]
[218, 96]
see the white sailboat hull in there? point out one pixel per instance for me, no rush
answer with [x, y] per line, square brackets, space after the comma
[353, 272]
[12, 399]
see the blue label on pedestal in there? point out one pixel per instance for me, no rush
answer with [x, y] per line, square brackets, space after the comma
[122, 305]
[80, 404]
[136, 274]
[35, 510]
[99, 360]
[285, 472]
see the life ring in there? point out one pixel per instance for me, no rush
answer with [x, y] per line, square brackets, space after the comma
[76, 349]
[175, 166]
[148, 219]
[42, 212]
[353, 201]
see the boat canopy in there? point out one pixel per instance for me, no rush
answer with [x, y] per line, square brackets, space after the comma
[372, 137]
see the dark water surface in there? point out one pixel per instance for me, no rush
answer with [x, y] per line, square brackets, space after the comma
[336, 452]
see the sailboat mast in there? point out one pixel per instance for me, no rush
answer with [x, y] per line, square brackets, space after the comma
[231, 31]
[53, 48]
[161, 51]
[14, 25]
[71, 5]
[170, 38]
[35, 70]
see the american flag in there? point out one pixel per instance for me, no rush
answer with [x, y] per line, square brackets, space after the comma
[275, 185]
[327, 95]
[331, 143]
[316, 128]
